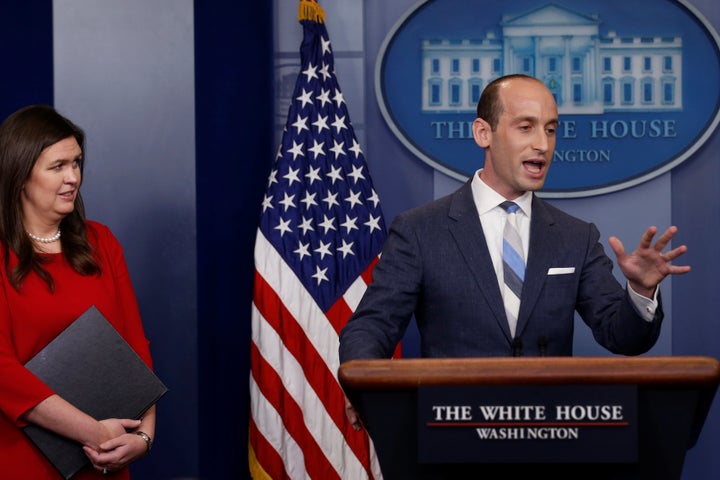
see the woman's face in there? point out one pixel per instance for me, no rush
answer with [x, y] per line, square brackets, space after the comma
[50, 191]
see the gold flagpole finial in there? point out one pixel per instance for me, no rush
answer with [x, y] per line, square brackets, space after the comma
[310, 10]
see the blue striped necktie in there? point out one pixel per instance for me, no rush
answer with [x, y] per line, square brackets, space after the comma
[513, 265]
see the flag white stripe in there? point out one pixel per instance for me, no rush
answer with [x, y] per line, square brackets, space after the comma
[355, 292]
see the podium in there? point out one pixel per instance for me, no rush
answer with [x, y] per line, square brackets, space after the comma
[668, 401]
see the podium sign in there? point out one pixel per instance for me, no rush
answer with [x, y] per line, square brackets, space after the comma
[521, 424]
[664, 401]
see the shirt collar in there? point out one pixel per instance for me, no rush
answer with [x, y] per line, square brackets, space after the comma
[486, 198]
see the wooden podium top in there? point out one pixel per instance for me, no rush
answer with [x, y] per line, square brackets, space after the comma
[402, 374]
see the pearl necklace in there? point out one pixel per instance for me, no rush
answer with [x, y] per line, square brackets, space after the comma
[52, 239]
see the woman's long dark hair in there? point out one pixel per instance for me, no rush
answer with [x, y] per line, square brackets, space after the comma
[23, 137]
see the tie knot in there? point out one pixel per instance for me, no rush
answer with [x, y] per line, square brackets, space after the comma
[509, 207]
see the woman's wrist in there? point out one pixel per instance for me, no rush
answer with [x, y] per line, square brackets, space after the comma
[146, 437]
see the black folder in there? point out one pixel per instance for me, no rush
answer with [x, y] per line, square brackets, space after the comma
[91, 366]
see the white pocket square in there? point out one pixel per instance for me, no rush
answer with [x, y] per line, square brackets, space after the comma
[561, 270]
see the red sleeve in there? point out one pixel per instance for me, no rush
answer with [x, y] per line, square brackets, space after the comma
[20, 390]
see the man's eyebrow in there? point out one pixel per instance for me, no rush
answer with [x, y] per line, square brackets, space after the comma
[533, 119]
[525, 118]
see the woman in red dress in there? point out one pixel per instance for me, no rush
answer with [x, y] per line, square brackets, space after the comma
[54, 265]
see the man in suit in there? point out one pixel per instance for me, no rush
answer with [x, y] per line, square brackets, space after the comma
[443, 262]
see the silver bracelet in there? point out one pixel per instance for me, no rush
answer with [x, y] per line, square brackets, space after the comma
[147, 439]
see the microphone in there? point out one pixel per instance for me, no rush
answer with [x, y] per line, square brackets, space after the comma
[542, 345]
[517, 347]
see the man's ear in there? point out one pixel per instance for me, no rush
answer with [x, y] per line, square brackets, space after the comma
[482, 133]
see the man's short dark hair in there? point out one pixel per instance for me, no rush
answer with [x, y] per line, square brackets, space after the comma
[490, 107]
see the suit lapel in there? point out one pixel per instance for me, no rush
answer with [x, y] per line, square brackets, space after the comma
[542, 250]
[467, 231]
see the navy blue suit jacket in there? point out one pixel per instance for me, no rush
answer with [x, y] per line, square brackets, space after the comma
[436, 265]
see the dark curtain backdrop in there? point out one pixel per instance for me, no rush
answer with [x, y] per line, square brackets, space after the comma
[233, 64]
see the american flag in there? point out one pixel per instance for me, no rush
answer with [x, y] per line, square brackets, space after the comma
[320, 235]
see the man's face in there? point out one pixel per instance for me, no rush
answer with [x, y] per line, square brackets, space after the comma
[519, 151]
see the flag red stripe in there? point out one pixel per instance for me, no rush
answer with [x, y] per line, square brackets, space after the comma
[340, 311]
[317, 374]
[367, 274]
[266, 455]
[338, 315]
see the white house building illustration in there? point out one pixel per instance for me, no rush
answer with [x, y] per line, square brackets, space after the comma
[587, 72]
